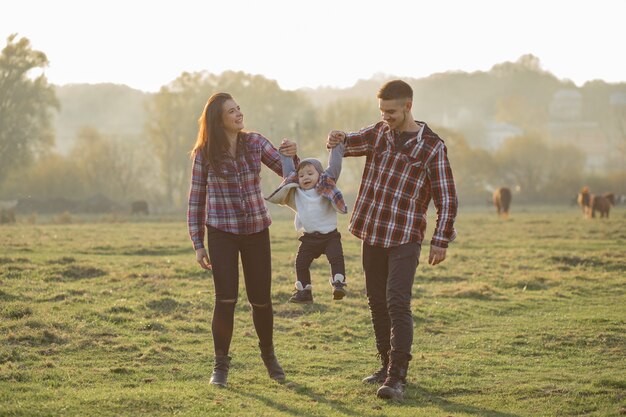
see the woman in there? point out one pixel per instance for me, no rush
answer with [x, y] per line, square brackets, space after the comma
[225, 197]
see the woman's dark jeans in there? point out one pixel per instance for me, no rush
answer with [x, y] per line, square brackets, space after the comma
[224, 251]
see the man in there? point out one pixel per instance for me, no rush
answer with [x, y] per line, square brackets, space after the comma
[406, 165]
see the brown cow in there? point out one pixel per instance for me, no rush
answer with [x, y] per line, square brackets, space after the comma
[584, 201]
[7, 215]
[139, 207]
[602, 204]
[502, 201]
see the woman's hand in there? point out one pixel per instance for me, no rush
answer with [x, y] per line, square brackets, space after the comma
[288, 148]
[202, 257]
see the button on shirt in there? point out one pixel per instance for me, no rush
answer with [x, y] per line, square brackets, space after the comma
[399, 180]
[232, 201]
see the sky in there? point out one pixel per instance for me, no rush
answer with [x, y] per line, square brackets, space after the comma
[332, 43]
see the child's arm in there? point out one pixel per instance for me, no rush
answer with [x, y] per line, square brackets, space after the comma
[334, 161]
[288, 165]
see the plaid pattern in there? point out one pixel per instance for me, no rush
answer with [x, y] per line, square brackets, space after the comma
[233, 202]
[397, 186]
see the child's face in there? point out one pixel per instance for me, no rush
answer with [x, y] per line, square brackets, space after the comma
[308, 177]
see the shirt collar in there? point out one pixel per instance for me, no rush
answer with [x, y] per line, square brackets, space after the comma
[416, 139]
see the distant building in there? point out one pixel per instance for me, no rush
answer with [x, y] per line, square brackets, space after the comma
[497, 133]
[567, 127]
[618, 99]
[586, 136]
[566, 104]
[617, 130]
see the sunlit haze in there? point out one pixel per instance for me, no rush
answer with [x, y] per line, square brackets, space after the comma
[319, 43]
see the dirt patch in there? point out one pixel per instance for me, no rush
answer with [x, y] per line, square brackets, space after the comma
[164, 305]
[62, 261]
[477, 292]
[76, 272]
[575, 261]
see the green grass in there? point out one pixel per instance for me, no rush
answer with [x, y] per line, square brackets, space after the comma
[525, 318]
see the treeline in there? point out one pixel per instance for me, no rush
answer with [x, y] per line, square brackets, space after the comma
[127, 145]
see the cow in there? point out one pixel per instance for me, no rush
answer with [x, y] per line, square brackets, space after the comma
[139, 207]
[502, 201]
[7, 215]
[584, 201]
[601, 204]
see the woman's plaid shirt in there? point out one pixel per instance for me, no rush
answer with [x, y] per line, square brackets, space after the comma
[232, 202]
[397, 186]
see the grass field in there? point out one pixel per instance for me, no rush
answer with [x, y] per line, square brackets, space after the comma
[525, 318]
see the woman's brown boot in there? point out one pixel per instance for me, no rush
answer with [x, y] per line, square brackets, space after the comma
[271, 363]
[220, 370]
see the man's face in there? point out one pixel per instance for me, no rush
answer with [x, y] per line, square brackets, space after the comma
[307, 177]
[394, 112]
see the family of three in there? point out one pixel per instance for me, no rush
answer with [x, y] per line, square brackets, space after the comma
[406, 166]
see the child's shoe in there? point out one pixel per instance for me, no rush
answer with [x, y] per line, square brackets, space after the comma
[302, 295]
[338, 282]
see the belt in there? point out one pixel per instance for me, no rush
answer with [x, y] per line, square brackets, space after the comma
[320, 234]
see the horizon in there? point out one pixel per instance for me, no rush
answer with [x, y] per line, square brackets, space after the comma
[347, 87]
[330, 45]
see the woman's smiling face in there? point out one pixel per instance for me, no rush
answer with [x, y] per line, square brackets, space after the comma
[232, 117]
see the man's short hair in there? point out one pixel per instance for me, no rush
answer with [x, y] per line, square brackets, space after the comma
[396, 89]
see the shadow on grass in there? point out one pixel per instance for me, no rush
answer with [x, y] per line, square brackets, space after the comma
[451, 407]
[420, 394]
[290, 310]
[136, 251]
[300, 390]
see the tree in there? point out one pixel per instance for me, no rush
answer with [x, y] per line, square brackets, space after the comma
[53, 176]
[171, 130]
[541, 172]
[25, 105]
[474, 168]
[108, 166]
[564, 173]
[523, 161]
[173, 112]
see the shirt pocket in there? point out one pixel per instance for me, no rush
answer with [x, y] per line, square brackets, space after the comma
[411, 175]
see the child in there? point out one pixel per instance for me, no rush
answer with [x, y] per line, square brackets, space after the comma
[313, 195]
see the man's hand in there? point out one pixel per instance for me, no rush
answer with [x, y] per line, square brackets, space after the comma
[335, 137]
[203, 258]
[288, 148]
[437, 255]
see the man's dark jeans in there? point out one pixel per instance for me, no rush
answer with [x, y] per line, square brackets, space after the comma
[389, 276]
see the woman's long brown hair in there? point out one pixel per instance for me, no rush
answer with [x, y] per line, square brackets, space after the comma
[212, 141]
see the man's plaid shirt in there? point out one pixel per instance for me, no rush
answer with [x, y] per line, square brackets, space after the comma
[232, 202]
[397, 186]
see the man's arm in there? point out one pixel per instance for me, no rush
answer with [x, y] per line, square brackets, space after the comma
[446, 203]
[356, 143]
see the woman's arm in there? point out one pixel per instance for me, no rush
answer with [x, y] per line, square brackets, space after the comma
[272, 158]
[196, 208]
